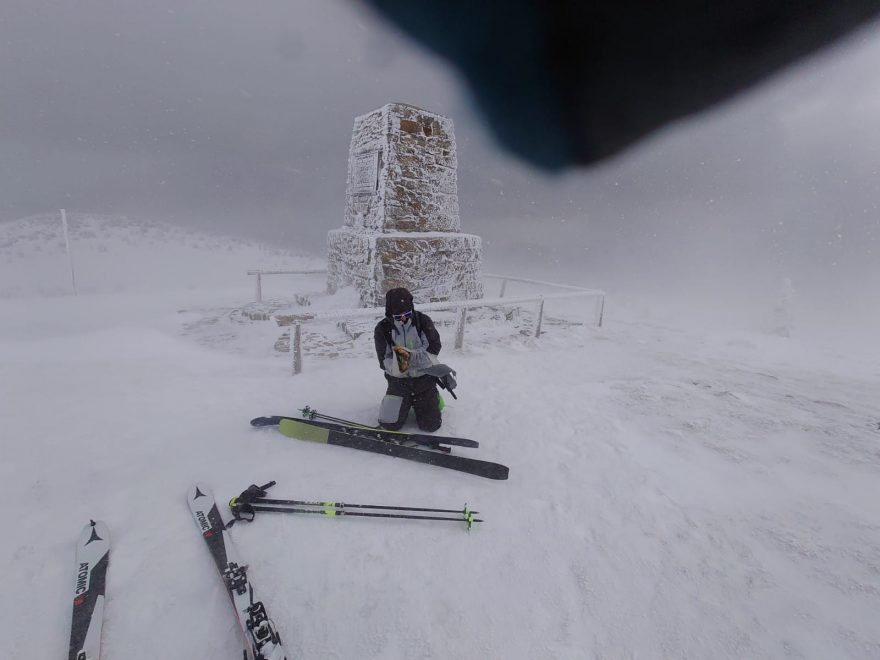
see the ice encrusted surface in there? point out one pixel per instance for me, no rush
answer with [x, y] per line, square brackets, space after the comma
[433, 266]
[416, 180]
[404, 230]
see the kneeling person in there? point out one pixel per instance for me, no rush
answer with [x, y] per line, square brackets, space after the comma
[407, 345]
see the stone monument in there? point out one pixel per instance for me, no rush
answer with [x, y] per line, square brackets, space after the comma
[401, 225]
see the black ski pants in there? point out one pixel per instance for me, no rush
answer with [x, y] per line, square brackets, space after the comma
[421, 395]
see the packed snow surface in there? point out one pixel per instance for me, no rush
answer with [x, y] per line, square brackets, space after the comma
[673, 493]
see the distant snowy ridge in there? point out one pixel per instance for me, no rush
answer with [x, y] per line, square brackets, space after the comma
[115, 253]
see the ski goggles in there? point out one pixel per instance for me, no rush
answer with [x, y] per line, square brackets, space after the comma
[405, 316]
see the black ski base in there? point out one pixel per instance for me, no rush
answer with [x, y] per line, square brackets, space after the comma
[302, 430]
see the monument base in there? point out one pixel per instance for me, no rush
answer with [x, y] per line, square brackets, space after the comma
[434, 266]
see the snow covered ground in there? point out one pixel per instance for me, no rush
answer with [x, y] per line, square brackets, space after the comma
[673, 493]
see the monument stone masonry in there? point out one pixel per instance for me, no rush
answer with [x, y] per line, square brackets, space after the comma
[401, 225]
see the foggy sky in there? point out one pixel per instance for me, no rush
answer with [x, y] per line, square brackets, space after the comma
[238, 116]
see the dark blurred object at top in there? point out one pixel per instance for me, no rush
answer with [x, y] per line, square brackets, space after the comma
[566, 82]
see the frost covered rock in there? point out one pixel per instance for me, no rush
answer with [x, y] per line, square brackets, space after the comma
[402, 225]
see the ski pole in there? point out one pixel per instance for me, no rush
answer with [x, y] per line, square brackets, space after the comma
[469, 519]
[257, 495]
[253, 499]
[311, 413]
[344, 505]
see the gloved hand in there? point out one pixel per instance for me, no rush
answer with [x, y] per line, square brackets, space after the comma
[445, 377]
[448, 382]
[402, 358]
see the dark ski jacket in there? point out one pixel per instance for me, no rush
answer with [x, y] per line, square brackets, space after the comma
[386, 335]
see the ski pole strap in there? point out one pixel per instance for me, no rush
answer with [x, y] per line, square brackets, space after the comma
[241, 510]
[241, 506]
[254, 491]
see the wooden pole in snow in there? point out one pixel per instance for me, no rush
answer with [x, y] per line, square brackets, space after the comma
[67, 246]
[296, 348]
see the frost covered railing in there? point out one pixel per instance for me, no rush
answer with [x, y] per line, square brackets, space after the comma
[568, 287]
[260, 273]
[461, 306]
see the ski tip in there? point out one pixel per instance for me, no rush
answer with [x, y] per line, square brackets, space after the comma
[266, 421]
[199, 490]
[500, 473]
[94, 531]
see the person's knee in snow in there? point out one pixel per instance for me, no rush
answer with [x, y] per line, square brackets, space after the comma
[430, 425]
[392, 426]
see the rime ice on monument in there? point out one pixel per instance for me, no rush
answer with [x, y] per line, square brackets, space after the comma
[401, 212]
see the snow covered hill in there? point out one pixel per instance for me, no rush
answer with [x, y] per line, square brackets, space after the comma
[115, 254]
[672, 493]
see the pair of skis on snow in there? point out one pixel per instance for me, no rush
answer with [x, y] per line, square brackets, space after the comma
[390, 443]
[262, 641]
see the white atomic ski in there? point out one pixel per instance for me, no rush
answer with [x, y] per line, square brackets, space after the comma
[263, 641]
[92, 557]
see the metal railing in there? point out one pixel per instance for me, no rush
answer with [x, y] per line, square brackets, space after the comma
[461, 306]
[507, 278]
[260, 273]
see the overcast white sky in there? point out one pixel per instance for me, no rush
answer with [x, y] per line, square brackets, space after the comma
[235, 115]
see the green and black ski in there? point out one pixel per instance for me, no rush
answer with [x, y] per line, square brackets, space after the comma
[304, 430]
[373, 432]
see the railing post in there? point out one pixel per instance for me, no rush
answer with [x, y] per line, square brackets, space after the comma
[259, 286]
[67, 247]
[503, 287]
[459, 327]
[296, 348]
[540, 317]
